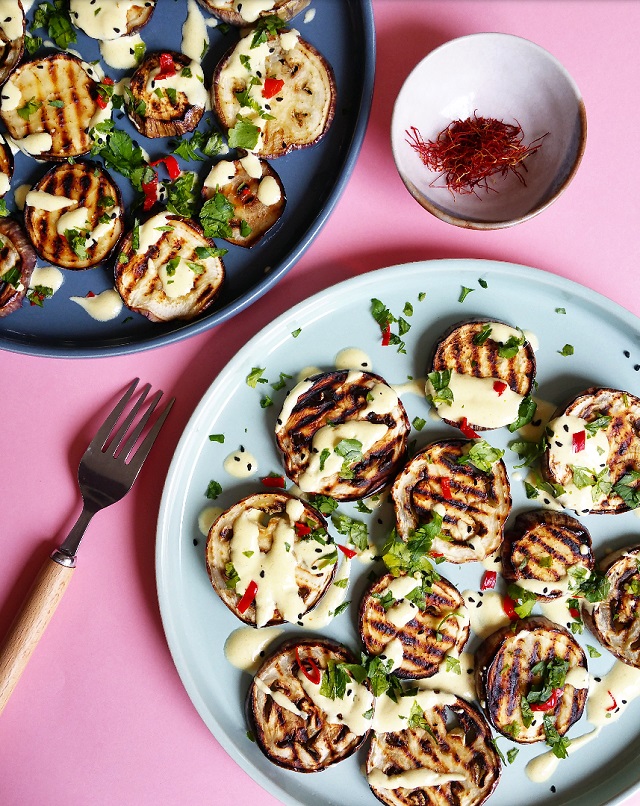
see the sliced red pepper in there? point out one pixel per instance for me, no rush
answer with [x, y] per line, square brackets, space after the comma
[549, 704]
[302, 529]
[150, 190]
[578, 441]
[247, 597]
[614, 704]
[467, 430]
[445, 487]
[350, 553]
[499, 387]
[102, 102]
[171, 164]
[573, 612]
[489, 580]
[271, 87]
[107, 80]
[386, 335]
[436, 554]
[167, 66]
[244, 193]
[273, 481]
[309, 668]
[509, 607]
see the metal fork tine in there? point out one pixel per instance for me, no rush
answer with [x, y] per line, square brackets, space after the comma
[121, 432]
[141, 454]
[131, 441]
[108, 425]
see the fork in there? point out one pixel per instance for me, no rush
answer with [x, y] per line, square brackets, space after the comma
[104, 477]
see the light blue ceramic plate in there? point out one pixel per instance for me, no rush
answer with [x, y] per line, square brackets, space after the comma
[314, 179]
[195, 620]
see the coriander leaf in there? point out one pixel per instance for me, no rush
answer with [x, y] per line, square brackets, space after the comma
[557, 743]
[244, 134]
[216, 215]
[526, 413]
[255, 377]
[183, 196]
[464, 293]
[482, 455]
[356, 531]
[213, 490]
[266, 28]
[440, 383]
[55, 18]
[566, 350]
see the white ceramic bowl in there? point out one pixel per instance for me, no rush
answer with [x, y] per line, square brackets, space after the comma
[494, 76]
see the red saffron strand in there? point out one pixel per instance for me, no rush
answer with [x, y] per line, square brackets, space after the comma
[468, 152]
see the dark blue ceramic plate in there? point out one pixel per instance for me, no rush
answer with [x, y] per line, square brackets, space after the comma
[314, 179]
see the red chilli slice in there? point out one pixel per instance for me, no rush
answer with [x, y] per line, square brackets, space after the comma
[350, 553]
[309, 668]
[489, 581]
[550, 704]
[467, 430]
[302, 529]
[271, 87]
[614, 703]
[273, 481]
[509, 607]
[247, 597]
[445, 487]
[499, 387]
[579, 441]
[167, 66]
[171, 164]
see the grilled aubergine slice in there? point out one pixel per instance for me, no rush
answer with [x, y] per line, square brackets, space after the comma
[111, 20]
[236, 12]
[480, 373]
[614, 620]
[447, 757]
[276, 547]
[343, 434]
[17, 262]
[167, 269]
[516, 664]
[166, 96]
[474, 504]
[12, 28]
[49, 106]
[541, 549]
[593, 451]
[74, 215]
[6, 167]
[254, 190]
[283, 88]
[424, 623]
[295, 726]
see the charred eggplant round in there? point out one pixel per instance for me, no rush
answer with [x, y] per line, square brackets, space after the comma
[541, 549]
[282, 91]
[110, 19]
[255, 193]
[614, 620]
[167, 269]
[296, 726]
[593, 452]
[166, 95]
[532, 678]
[270, 559]
[423, 622]
[442, 481]
[235, 12]
[74, 215]
[49, 106]
[447, 757]
[17, 262]
[343, 434]
[480, 374]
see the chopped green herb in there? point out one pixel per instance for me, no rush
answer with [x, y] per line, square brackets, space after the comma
[244, 134]
[561, 310]
[557, 743]
[214, 489]
[566, 350]
[255, 377]
[481, 455]
[593, 652]
[464, 293]
[55, 18]
[441, 392]
[296, 333]
[418, 423]
[216, 437]
[356, 531]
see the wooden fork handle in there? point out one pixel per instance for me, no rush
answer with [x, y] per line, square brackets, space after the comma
[30, 624]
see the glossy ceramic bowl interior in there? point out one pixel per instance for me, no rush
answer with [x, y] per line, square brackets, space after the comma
[497, 76]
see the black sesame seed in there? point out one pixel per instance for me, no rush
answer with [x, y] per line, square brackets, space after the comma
[566, 428]
[627, 354]
[195, 541]
[249, 465]
[262, 574]
[597, 679]
[552, 789]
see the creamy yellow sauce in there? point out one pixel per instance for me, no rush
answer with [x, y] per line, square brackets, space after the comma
[353, 358]
[245, 648]
[241, 464]
[103, 307]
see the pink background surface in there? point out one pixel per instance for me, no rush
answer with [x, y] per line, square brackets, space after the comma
[100, 716]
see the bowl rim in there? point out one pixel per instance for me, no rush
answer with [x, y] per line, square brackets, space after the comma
[467, 223]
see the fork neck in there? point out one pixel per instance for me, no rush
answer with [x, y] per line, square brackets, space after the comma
[66, 553]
